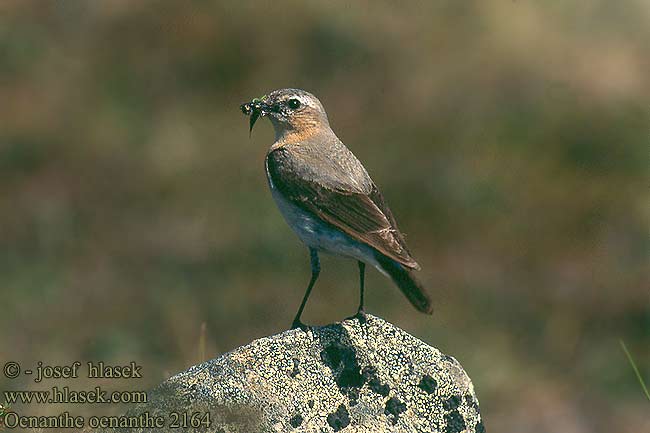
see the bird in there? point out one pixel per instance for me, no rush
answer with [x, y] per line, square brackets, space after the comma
[328, 198]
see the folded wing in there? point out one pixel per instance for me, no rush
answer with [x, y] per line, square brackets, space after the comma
[364, 217]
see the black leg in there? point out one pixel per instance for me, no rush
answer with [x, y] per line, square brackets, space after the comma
[362, 275]
[315, 270]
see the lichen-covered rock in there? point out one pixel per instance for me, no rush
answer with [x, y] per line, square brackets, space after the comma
[354, 376]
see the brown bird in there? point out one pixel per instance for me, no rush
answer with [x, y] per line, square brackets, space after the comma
[327, 197]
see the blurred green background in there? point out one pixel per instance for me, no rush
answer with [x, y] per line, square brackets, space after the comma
[510, 138]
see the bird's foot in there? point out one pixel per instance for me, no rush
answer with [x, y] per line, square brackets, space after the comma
[361, 316]
[297, 324]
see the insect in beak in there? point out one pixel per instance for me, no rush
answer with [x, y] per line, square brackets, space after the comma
[255, 109]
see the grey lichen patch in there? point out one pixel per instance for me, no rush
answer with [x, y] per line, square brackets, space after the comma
[350, 376]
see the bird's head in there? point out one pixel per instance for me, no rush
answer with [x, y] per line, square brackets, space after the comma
[291, 111]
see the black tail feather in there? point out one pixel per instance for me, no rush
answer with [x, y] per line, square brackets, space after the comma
[407, 283]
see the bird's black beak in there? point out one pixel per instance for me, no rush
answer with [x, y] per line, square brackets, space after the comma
[256, 108]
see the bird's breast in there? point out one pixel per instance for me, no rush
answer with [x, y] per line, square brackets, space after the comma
[306, 226]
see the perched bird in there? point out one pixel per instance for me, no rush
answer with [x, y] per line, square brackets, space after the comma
[327, 197]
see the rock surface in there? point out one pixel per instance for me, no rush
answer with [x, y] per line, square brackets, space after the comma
[367, 376]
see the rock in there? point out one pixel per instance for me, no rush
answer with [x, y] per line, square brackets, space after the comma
[367, 376]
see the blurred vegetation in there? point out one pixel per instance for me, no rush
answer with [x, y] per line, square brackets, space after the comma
[509, 137]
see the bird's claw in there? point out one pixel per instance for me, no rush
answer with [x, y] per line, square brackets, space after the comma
[297, 324]
[361, 316]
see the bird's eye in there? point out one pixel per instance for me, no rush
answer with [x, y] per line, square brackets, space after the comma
[293, 103]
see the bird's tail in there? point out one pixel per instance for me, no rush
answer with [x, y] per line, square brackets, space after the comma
[407, 283]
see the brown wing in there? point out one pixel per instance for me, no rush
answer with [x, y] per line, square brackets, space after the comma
[364, 217]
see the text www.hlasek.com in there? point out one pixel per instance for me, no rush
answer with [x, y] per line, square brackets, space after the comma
[67, 395]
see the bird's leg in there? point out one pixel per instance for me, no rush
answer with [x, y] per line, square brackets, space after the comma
[361, 314]
[315, 270]
[362, 275]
